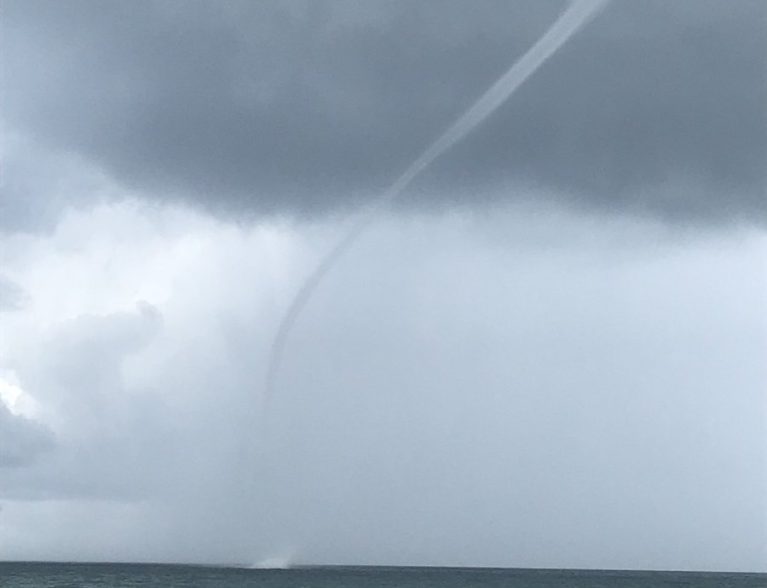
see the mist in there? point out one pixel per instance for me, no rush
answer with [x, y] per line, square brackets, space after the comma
[541, 414]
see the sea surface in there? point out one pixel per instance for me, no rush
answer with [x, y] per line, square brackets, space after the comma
[60, 575]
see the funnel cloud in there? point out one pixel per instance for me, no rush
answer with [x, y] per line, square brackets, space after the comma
[577, 14]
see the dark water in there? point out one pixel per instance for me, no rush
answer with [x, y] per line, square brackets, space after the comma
[48, 575]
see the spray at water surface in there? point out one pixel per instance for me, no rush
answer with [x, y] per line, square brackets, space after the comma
[569, 22]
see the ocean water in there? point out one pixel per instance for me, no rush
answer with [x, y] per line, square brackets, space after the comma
[57, 575]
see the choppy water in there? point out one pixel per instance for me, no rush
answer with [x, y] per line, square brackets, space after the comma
[49, 575]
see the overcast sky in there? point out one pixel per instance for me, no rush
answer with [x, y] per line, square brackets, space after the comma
[550, 352]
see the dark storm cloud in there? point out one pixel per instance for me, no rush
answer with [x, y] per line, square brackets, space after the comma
[304, 107]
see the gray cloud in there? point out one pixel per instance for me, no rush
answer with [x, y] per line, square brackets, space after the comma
[76, 373]
[22, 440]
[12, 296]
[305, 107]
[38, 184]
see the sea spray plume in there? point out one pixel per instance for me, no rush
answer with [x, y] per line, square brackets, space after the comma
[569, 22]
